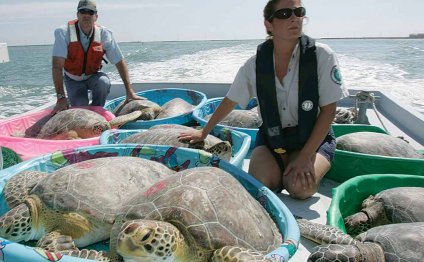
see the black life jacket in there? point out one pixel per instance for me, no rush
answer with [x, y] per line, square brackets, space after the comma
[267, 97]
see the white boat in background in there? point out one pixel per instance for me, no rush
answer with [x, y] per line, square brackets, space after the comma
[377, 108]
[4, 53]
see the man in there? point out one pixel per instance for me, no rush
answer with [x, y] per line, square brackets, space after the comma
[77, 59]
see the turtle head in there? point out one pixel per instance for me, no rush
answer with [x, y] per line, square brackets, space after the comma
[222, 149]
[16, 225]
[151, 240]
[99, 128]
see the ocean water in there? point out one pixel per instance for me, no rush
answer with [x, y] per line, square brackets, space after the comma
[393, 65]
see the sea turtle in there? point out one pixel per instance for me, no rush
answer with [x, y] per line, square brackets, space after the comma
[241, 118]
[8, 157]
[395, 205]
[148, 109]
[387, 243]
[377, 144]
[79, 200]
[199, 214]
[169, 135]
[175, 107]
[77, 123]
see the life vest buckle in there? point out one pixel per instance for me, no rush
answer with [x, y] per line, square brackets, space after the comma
[280, 150]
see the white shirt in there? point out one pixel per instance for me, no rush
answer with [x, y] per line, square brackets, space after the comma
[330, 86]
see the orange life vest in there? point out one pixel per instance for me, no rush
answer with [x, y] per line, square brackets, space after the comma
[78, 61]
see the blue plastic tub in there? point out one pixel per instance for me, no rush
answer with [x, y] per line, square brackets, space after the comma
[240, 141]
[170, 156]
[212, 104]
[161, 96]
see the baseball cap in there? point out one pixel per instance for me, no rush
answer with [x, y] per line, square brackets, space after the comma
[87, 4]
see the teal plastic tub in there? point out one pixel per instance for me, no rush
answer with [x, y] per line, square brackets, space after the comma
[212, 104]
[240, 142]
[170, 156]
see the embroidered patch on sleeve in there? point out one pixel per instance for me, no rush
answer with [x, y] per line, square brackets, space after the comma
[335, 75]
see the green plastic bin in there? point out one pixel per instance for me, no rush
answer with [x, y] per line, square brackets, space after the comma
[348, 164]
[347, 198]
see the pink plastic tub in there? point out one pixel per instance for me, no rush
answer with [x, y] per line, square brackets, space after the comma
[30, 147]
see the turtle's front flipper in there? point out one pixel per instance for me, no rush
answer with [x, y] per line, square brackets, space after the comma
[323, 234]
[91, 254]
[238, 254]
[56, 242]
[222, 149]
[122, 120]
[35, 129]
[18, 187]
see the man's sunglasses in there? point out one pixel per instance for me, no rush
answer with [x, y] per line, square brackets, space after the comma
[86, 12]
[286, 13]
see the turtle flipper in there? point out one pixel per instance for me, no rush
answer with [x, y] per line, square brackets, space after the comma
[121, 120]
[346, 253]
[18, 187]
[35, 129]
[357, 223]
[91, 254]
[238, 254]
[56, 242]
[222, 149]
[323, 234]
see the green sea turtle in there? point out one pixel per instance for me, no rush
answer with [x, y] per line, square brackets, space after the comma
[148, 109]
[387, 243]
[175, 107]
[395, 205]
[241, 118]
[377, 144]
[78, 123]
[169, 135]
[79, 200]
[199, 214]
[8, 157]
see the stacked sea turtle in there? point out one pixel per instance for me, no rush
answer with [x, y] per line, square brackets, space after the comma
[151, 110]
[199, 214]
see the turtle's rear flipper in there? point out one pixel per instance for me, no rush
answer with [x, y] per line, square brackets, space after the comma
[35, 129]
[56, 242]
[238, 254]
[122, 120]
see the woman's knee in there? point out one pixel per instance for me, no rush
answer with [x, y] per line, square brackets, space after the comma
[301, 193]
[264, 168]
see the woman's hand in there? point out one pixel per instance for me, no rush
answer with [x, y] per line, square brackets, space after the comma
[302, 168]
[192, 136]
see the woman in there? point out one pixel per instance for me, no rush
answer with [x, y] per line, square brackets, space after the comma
[297, 83]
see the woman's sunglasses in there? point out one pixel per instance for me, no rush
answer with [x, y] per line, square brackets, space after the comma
[286, 13]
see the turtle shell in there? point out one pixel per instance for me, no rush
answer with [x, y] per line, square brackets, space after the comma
[149, 109]
[209, 207]
[175, 107]
[85, 123]
[403, 204]
[168, 135]
[241, 118]
[98, 187]
[400, 242]
[377, 144]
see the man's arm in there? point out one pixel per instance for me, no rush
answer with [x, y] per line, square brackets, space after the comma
[123, 72]
[58, 64]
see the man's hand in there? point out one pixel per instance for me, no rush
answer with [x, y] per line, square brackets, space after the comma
[61, 104]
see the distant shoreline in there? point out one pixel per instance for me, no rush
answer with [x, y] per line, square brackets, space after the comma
[323, 38]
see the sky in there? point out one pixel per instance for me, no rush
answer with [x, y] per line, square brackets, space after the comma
[25, 22]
